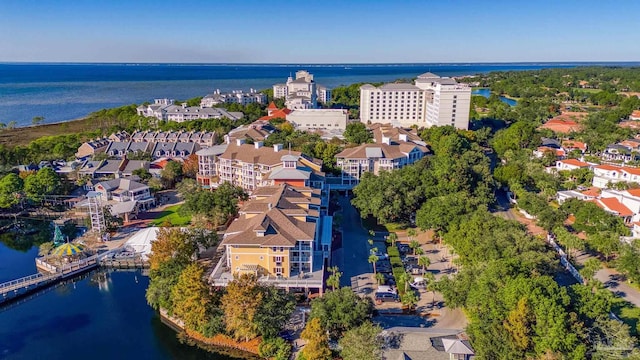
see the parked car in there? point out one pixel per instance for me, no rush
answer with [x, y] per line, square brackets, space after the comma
[414, 269]
[381, 297]
[410, 260]
[403, 248]
[287, 335]
[387, 289]
[381, 255]
[389, 279]
[418, 283]
[383, 268]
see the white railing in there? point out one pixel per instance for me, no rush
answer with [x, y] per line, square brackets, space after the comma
[43, 264]
[564, 260]
[25, 282]
[26, 279]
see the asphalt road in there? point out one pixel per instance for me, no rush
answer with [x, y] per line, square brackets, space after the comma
[503, 206]
[352, 258]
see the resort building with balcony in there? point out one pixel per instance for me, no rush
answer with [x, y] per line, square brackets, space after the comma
[281, 237]
[252, 166]
[301, 92]
[393, 149]
[431, 101]
[234, 97]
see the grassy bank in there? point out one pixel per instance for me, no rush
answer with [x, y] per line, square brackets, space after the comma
[25, 135]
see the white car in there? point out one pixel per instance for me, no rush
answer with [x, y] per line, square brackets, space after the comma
[385, 289]
[418, 283]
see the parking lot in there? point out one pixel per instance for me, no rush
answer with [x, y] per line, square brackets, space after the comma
[431, 307]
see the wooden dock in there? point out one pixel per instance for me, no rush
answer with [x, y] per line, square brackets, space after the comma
[124, 263]
[50, 274]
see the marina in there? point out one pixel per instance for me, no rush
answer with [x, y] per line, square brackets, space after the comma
[49, 273]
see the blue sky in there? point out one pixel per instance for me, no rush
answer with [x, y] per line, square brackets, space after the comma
[273, 31]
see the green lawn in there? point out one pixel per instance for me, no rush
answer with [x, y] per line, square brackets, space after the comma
[171, 215]
[587, 90]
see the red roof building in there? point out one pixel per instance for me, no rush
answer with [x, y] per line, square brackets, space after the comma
[614, 206]
[572, 144]
[274, 113]
[565, 123]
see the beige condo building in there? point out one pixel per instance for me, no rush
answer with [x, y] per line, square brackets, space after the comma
[431, 101]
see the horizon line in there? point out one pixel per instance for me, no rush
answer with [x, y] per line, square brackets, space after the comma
[310, 63]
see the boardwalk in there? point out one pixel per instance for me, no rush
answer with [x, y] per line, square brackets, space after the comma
[27, 282]
[51, 273]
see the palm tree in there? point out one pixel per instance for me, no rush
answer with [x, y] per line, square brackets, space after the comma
[393, 237]
[419, 251]
[424, 262]
[414, 244]
[380, 278]
[45, 248]
[334, 279]
[404, 279]
[409, 299]
[411, 233]
[373, 259]
[430, 279]
[370, 241]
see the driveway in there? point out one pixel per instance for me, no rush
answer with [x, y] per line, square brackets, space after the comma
[352, 257]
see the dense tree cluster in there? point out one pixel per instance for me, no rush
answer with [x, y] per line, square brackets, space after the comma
[357, 133]
[459, 168]
[505, 282]
[214, 207]
[555, 81]
[243, 310]
[28, 187]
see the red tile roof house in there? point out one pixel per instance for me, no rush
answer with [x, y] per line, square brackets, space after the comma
[569, 145]
[571, 164]
[635, 115]
[274, 113]
[614, 206]
[541, 150]
[565, 123]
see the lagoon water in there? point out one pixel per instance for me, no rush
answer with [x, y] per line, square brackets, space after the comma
[96, 316]
[62, 92]
[487, 92]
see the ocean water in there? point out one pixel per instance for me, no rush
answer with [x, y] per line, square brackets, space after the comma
[62, 92]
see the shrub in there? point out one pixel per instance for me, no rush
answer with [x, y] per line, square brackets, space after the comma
[275, 348]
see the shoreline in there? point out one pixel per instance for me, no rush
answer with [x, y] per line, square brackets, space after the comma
[228, 347]
[26, 134]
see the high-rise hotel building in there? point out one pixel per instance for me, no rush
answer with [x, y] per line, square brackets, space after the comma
[431, 101]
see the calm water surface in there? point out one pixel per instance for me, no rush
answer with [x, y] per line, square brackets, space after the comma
[487, 92]
[97, 316]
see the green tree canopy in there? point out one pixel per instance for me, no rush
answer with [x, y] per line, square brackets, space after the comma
[357, 133]
[362, 342]
[340, 310]
[11, 186]
[44, 182]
